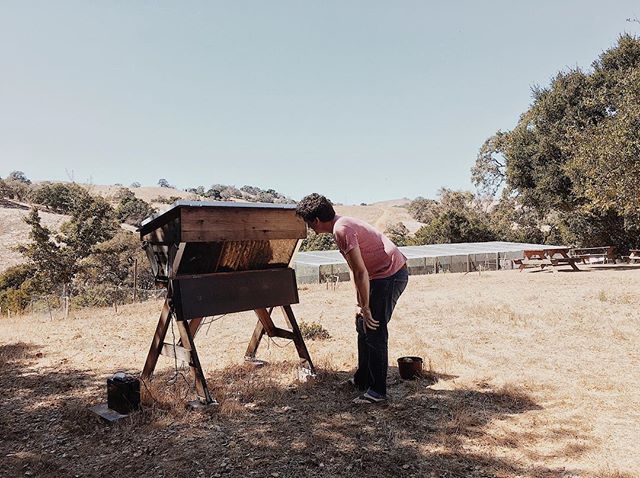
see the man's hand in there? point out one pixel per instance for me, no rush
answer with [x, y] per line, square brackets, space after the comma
[367, 320]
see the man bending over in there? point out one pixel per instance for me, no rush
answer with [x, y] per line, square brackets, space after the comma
[380, 276]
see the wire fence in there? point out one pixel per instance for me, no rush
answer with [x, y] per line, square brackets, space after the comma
[59, 305]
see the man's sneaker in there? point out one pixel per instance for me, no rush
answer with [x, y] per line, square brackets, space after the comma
[369, 398]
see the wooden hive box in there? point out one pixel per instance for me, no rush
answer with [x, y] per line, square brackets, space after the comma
[218, 258]
[231, 256]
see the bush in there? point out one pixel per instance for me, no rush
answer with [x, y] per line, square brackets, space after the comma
[19, 177]
[453, 227]
[62, 198]
[132, 210]
[166, 200]
[4, 189]
[106, 276]
[17, 299]
[423, 210]
[252, 190]
[230, 192]
[15, 190]
[13, 277]
[398, 234]
[318, 242]
[17, 287]
[199, 190]
[313, 331]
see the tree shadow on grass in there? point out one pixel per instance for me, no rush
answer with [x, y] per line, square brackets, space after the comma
[41, 409]
[265, 425]
[265, 428]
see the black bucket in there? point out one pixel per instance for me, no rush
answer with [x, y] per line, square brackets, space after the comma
[410, 367]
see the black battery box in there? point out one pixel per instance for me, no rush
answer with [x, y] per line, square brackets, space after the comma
[123, 393]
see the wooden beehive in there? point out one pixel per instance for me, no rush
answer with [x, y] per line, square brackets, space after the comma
[234, 256]
[217, 258]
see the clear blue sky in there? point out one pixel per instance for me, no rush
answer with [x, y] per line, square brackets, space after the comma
[359, 100]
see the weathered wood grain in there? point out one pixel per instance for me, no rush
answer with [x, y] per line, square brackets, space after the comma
[227, 224]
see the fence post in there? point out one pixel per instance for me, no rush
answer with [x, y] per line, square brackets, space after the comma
[135, 280]
[65, 301]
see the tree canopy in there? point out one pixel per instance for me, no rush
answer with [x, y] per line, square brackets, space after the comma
[573, 157]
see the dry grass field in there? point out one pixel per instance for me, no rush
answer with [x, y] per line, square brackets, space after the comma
[534, 374]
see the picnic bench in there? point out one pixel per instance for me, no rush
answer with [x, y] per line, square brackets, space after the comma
[590, 255]
[542, 258]
[634, 255]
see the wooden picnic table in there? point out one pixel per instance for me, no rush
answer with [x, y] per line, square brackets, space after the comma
[589, 254]
[634, 255]
[551, 257]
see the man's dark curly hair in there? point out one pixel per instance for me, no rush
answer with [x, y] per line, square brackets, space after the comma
[315, 205]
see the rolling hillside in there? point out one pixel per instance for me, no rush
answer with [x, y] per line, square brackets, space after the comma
[14, 231]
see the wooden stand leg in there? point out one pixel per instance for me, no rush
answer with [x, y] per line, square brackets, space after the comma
[194, 364]
[193, 328]
[258, 332]
[301, 347]
[185, 350]
[265, 325]
[157, 342]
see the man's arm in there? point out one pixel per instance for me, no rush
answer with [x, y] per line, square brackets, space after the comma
[361, 280]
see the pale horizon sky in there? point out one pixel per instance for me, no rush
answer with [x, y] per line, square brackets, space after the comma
[360, 100]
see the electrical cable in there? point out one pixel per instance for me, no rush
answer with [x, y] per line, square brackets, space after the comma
[271, 340]
[208, 322]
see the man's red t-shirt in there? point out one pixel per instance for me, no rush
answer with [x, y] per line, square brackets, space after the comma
[382, 258]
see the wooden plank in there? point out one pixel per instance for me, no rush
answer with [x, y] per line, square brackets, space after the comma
[301, 347]
[252, 348]
[282, 333]
[533, 252]
[176, 252]
[227, 292]
[240, 224]
[265, 319]
[158, 340]
[159, 221]
[194, 364]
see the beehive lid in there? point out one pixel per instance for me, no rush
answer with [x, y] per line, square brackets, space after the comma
[219, 221]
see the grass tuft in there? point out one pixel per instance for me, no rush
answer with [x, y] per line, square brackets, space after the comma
[314, 331]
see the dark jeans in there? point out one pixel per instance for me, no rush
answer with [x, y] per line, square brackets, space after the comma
[373, 359]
